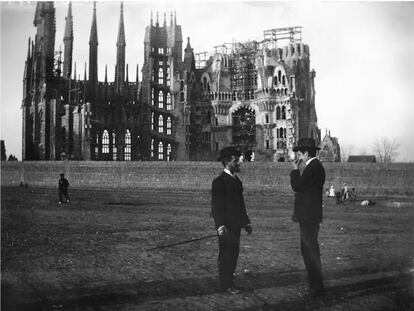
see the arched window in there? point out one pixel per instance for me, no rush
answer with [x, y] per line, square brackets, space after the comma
[160, 124]
[267, 118]
[168, 101]
[160, 76]
[277, 113]
[127, 148]
[169, 152]
[283, 112]
[152, 148]
[160, 151]
[160, 99]
[169, 126]
[114, 150]
[105, 142]
[284, 80]
[279, 76]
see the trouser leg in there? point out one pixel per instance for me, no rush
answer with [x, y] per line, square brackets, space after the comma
[229, 245]
[60, 195]
[311, 255]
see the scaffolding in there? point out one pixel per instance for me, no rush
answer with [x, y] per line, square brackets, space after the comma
[272, 36]
[201, 60]
[244, 75]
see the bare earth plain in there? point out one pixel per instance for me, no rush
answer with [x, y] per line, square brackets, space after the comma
[93, 254]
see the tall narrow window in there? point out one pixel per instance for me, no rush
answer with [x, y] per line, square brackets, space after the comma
[169, 126]
[168, 101]
[160, 99]
[267, 144]
[152, 149]
[152, 121]
[277, 113]
[168, 75]
[169, 152]
[160, 124]
[105, 142]
[97, 146]
[114, 150]
[160, 76]
[267, 118]
[127, 149]
[160, 151]
[283, 112]
[152, 97]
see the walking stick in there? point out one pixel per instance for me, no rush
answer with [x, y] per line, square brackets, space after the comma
[182, 242]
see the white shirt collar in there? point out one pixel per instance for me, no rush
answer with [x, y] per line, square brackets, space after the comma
[228, 172]
[309, 161]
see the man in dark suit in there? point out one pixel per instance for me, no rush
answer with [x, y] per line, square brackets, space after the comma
[63, 186]
[307, 180]
[229, 213]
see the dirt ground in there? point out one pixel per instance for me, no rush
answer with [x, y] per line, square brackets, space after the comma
[93, 254]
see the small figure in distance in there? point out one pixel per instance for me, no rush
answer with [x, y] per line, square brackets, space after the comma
[63, 189]
[332, 192]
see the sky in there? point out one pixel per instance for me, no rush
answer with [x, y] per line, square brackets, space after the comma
[361, 52]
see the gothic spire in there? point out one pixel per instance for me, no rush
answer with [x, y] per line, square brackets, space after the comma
[93, 39]
[120, 53]
[93, 54]
[121, 30]
[68, 44]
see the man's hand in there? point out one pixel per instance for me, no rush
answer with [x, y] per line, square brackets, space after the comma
[221, 230]
[249, 229]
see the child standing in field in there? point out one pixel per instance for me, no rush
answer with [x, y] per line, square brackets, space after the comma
[63, 188]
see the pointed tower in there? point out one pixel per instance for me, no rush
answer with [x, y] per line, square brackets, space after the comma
[68, 44]
[93, 55]
[120, 52]
[189, 57]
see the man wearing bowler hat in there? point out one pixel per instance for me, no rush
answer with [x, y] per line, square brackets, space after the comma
[308, 186]
[229, 213]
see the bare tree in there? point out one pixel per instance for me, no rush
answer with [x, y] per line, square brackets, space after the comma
[385, 150]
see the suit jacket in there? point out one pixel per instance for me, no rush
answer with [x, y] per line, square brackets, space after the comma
[308, 188]
[227, 202]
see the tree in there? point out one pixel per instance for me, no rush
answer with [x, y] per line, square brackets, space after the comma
[12, 158]
[385, 150]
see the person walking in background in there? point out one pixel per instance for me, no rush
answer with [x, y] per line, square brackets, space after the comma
[63, 189]
[308, 187]
[229, 213]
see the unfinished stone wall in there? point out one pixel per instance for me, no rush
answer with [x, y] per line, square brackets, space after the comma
[367, 178]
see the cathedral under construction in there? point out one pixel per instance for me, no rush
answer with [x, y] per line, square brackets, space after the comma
[257, 95]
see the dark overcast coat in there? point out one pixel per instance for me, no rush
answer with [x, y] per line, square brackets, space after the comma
[308, 188]
[227, 202]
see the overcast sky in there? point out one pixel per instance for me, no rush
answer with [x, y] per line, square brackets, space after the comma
[362, 53]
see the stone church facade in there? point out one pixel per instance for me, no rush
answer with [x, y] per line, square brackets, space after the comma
[256, 95]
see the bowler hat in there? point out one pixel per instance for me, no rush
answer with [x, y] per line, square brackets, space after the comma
[227, 152]
[306, 143]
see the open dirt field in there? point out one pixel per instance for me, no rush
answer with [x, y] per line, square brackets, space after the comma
[93, 254]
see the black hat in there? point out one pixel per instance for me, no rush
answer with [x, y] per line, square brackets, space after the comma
[61, 174]
[227, 152]
[306, 143]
